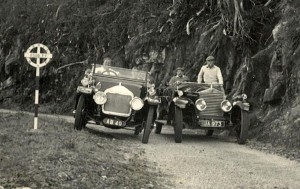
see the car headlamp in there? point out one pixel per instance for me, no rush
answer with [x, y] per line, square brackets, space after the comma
[85, 81]
[226, 106]
[100, 97]
[180, 93]
[200, 104]
[244, 96]
[136, 103]
[151, 91]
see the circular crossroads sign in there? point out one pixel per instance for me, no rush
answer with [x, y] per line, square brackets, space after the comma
[37, 51]
[38, 55]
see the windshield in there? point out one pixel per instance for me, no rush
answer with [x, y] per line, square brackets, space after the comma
[120, 72]
[197, 87]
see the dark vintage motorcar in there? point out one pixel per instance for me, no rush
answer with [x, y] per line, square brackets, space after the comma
[116, 98]
[204, 106]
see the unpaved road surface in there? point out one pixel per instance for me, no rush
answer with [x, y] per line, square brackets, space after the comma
[213, 162]
[210, 162]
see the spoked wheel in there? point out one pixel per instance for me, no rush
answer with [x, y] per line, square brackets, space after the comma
[241, 122]
[80, 115]
[178, 125]
[209, 132]
[149, 122]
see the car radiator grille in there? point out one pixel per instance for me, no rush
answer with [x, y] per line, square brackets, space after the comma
[213, 102]
[117, 104]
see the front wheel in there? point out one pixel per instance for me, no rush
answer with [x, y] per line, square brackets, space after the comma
[242, 123]
[80, 119]
[149, 122]
[178, 125]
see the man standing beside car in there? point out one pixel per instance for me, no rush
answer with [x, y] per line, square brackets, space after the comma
[210, 73]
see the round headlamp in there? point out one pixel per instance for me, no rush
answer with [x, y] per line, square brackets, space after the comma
[200, 104]
[151, 91]
[244, 96]
[136, 103]
[226, 106]
[180, 93]
[85, 81]
[100, 98]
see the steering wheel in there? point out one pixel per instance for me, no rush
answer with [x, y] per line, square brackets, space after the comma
[108, 71]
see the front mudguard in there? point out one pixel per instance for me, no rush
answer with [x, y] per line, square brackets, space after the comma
[180, 102]
[153, 101]
[242, 105]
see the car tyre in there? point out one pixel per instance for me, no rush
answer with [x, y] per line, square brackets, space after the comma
[80, 120]
[149, 122]
[178, 125]
[242, 123]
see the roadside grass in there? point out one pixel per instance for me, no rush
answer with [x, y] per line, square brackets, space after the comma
[57, 156]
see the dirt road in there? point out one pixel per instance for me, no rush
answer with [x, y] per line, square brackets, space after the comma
[210, 162]
[213, 162]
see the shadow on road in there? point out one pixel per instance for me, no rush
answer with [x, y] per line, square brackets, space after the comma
[120, 134]
[192, 136]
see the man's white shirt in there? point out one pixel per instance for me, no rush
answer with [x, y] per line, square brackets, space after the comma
[210, 75]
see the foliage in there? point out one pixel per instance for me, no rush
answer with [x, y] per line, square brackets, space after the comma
[130, 32]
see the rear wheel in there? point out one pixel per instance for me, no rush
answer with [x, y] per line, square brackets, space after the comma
[149, 122]
[80, 120]
[209, 132]
[242, 123]
[178, 125]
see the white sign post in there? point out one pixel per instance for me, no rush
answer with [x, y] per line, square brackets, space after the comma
[38, 55]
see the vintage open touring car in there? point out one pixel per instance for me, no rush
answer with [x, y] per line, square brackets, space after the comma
[204, 106]
[116, 98]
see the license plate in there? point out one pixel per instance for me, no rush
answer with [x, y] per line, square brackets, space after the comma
[113, 122]
[212, 123]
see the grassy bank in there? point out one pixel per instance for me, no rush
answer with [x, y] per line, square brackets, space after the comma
[56, 156]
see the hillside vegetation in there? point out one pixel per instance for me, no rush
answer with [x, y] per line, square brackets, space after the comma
[256, 44]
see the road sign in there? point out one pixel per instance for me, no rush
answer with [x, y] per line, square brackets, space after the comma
[46, 55]
[38, 52]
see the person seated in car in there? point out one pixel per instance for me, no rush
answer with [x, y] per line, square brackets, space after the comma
[179, 78]
[104, 69]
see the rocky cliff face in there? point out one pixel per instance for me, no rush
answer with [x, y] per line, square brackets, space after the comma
[256, 44]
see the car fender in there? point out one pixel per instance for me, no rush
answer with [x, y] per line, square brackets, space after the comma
[153, 101]
[84, 90]
[180, 102]
[242, 105]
